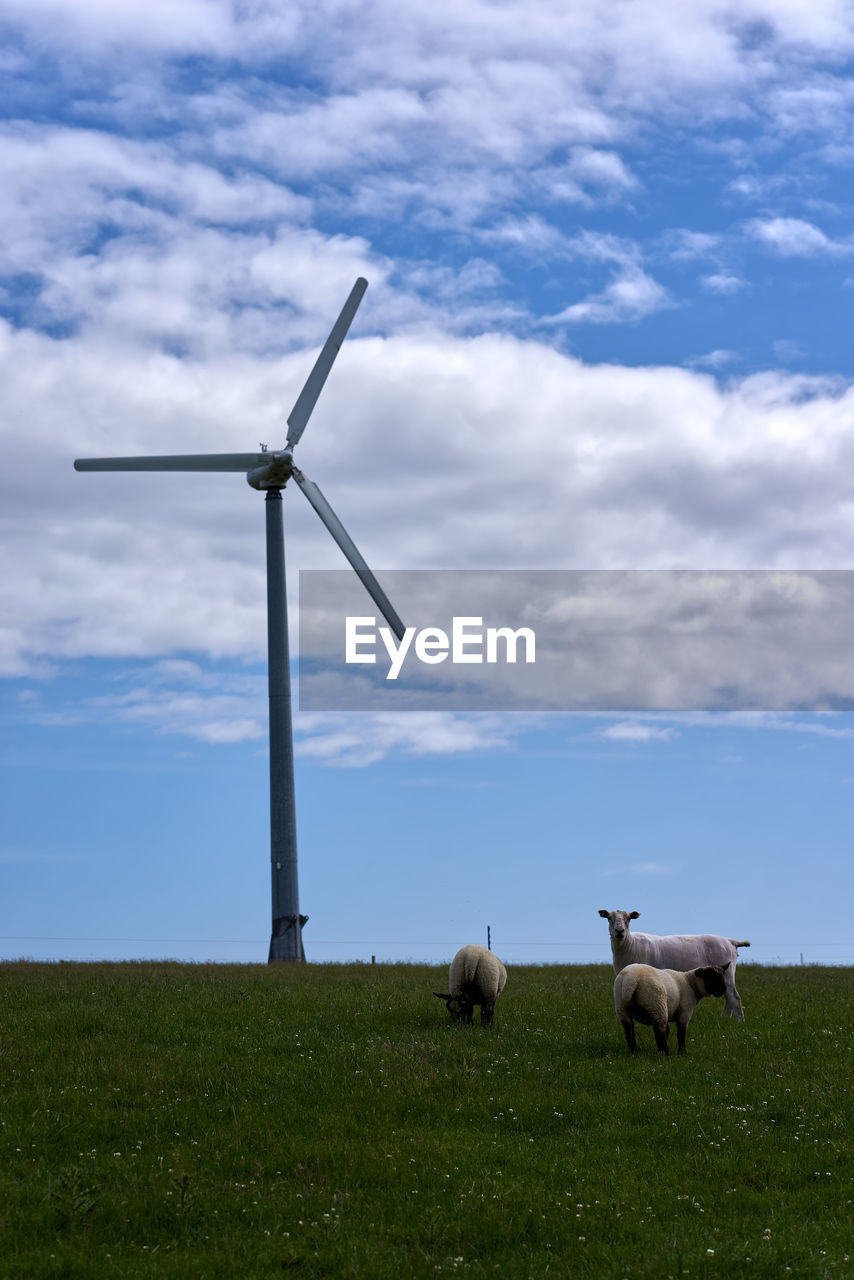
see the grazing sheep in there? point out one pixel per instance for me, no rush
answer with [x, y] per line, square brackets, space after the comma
[675, 951]
[657, 997]
[476, 977]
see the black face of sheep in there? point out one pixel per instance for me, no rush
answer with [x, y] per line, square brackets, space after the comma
[713, 979]
[460, 1009]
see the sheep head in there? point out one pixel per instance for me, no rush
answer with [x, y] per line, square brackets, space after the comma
[459, 1007]
[712, 979]
[618, 922]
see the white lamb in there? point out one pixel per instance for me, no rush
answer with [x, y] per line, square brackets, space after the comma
[476, 976]
[657, 997]
[680, 951]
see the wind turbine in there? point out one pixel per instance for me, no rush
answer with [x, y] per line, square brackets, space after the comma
[269, 472]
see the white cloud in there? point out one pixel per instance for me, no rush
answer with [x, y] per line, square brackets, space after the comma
[600, 168]
[630, 296]
[532, 234]
[53, 173]
[643, 39]
[415, 442]
[343, 132]
[176, 287]
[450, 121]
[125, 237]
[589, 175]
[821, 106]
[219, 704]
[724, 282]
[796, 238]
[179, 698]
[362, 739]
[684, 245]
[436, 100]
[716, 359]
[100, 28]
[637, 731]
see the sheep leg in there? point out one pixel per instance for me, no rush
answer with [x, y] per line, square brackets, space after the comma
[661, 1029]
[681, 1030]
[486, 1012]
[629, 1029]
[732, 1000]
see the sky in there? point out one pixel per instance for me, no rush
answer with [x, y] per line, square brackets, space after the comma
[610, 254]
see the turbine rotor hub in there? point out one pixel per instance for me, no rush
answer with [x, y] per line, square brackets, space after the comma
[274, 474]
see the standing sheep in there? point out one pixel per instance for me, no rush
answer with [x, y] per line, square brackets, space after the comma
[657, 997]
[680, 951]
[476, 976]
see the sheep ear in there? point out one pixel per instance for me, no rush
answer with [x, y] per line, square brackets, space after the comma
[633, 915]
[441, 996]
[604, 913]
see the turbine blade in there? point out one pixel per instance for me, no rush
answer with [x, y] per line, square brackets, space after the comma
[307, 398]
[351, 551]
[176, 462]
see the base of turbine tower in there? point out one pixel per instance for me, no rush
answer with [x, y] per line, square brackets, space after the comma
[286, 939]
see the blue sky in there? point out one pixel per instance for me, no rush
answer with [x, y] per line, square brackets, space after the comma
[611, 261]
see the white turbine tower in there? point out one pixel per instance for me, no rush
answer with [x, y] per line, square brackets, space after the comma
[270, 472]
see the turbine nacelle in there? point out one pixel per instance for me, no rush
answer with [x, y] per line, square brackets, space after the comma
[275, 474]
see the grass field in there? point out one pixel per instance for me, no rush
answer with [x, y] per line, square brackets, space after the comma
[328, 1120]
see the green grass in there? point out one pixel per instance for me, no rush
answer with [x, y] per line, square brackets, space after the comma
[329, 1120]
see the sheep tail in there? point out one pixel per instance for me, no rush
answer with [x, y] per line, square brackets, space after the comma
[738, 944]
